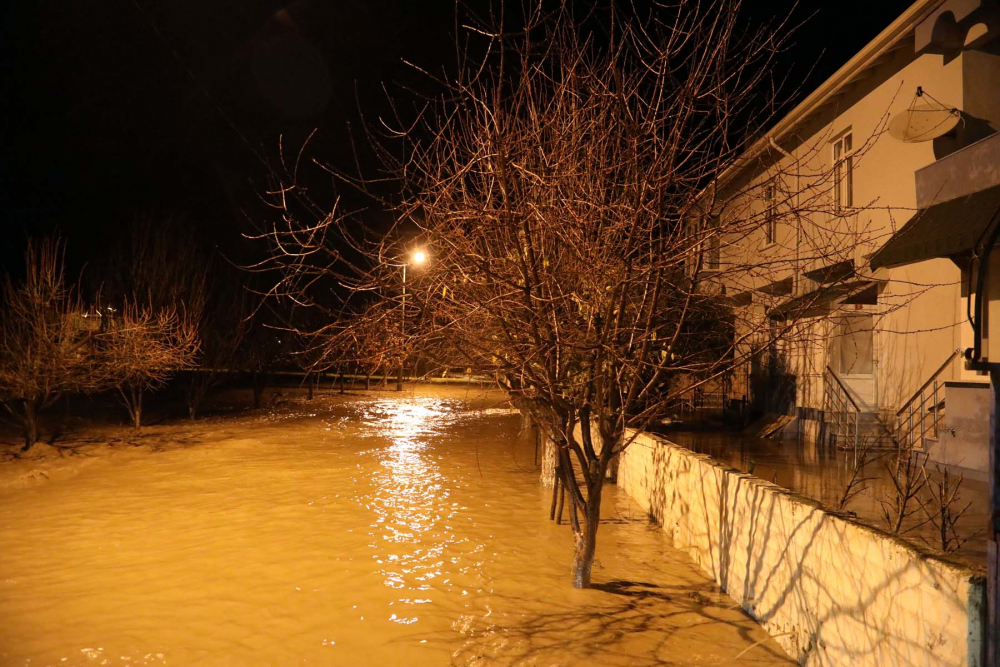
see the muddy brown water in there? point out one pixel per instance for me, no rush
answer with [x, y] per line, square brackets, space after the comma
[378, 530]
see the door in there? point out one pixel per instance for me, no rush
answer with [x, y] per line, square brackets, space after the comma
[852, 356]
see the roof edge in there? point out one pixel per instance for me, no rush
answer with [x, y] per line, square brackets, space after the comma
[884, 41]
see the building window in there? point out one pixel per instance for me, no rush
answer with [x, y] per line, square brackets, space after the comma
[770, 215]
[843, 172]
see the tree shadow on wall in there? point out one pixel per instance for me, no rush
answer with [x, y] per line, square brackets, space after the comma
[828, 587]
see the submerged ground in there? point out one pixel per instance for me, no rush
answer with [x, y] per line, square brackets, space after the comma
[373, 529]
[823, 473]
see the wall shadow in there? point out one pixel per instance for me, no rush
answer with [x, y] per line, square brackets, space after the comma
[832, 591]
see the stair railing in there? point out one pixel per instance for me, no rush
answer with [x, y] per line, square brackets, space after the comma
[842, 409]
[920, 416]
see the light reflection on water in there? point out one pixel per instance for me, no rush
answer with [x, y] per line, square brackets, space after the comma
[384, 531]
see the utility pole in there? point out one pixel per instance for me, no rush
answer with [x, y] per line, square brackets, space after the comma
[417, 257]
[402, 335]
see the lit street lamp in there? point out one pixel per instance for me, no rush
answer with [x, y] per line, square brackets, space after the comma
[417, 258]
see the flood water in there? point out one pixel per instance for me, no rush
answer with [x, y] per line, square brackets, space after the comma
[374, 531]
[822, 473]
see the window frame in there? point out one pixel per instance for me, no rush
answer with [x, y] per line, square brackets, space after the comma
[770, 213]
[709, 257]
[842, 150]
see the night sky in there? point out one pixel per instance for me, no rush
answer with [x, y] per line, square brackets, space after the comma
[122, 107]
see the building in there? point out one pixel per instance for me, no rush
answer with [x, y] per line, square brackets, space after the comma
[874, 192]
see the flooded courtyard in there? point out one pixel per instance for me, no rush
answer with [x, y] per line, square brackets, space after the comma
[823, 473]
[378, 529]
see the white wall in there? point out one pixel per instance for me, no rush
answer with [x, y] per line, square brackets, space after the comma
[830, 590]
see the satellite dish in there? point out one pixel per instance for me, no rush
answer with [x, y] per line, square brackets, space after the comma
[923, 122]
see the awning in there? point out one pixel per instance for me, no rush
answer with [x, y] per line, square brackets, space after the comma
[741, 299]
[832, 272]
[778, 287]
[942, 230]
[819, 300]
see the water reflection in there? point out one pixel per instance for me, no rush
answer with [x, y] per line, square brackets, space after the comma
[381, 531]
[409, 500]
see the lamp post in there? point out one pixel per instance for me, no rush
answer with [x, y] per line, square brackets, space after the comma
[417, 258]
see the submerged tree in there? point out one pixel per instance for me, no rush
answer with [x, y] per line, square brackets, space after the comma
[571, 187]
[171, 285]
[144, 348]
[562, 193]
[47, 340]
[221, 329]
[265, 346]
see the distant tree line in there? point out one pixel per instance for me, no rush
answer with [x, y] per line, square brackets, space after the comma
[161, 304]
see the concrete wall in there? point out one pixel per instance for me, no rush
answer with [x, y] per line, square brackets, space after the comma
[830, 590]
[964, 440]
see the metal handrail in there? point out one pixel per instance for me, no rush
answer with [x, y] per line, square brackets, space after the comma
[847, 393]
[933, 377]
[837, 395]
[912, 428]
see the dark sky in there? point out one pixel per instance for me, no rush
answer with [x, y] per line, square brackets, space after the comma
[119, 107]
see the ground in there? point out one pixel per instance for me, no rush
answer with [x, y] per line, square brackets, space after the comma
[367, 529]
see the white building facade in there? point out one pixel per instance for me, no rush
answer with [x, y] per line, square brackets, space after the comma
[901, 144]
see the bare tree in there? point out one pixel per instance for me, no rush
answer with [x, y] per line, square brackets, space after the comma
[375, 343]
[221, 328]
[907, 474]
[862, 454]
[162, 267]
[571, 189]
[47, 346]
[944, 508]
[143, 349]
[264, 347]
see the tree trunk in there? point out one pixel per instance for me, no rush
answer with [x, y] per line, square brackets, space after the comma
[258, 388]
[585, 541]
[135, 409]
[309, 381]
[549, 459]
[613, 469]
[368, 381]
[196, 392]
[341, 381]
[29, 423]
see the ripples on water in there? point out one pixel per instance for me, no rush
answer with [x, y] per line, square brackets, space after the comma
[376, 532]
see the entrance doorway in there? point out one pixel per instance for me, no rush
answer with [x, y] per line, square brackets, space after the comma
[852, 356]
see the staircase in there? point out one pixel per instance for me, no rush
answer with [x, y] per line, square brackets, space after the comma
[850, 418]
[919, 419]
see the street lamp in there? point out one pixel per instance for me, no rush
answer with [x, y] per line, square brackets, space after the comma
[417, 257]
